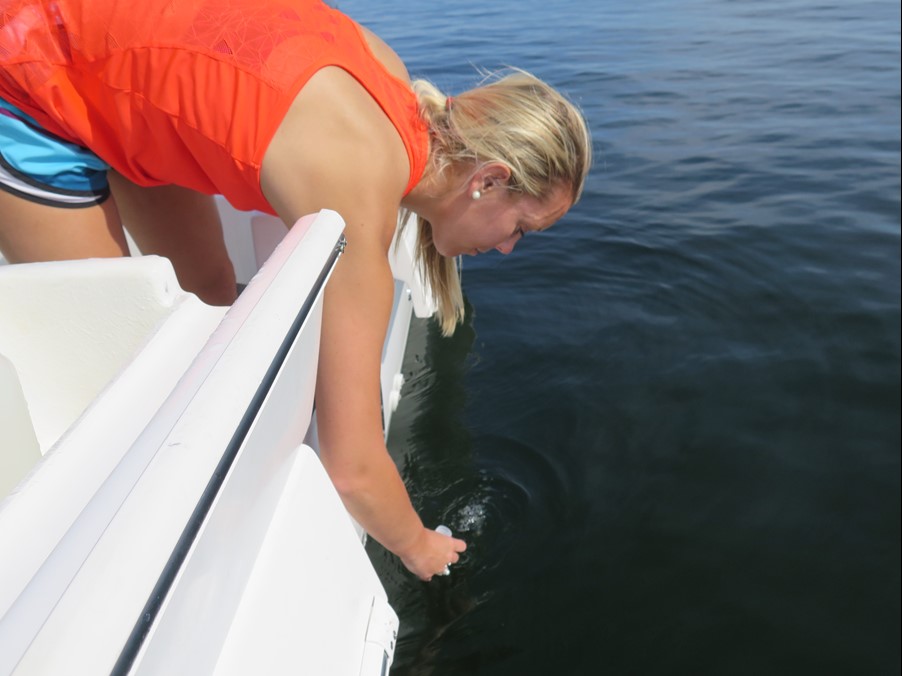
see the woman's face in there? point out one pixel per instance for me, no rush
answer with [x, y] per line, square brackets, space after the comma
[498, 219]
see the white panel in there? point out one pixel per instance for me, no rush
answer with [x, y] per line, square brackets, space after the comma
[19, 449]
[402, 257]
[69, 327]
[315, 619]
[393, 353]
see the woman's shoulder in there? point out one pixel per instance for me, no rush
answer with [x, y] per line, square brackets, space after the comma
[334, 113]
[385, 55]
[335, 149]
[345, 127]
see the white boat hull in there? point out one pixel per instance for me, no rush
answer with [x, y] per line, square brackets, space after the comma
[182, 522]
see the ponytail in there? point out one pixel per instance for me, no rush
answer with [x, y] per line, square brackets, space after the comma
[515, 119]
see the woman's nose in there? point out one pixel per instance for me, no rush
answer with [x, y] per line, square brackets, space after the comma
[508, 245]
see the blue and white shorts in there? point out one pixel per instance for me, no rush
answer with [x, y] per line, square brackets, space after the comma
[41, 167]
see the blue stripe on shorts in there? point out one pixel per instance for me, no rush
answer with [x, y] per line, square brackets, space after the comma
[39, 166]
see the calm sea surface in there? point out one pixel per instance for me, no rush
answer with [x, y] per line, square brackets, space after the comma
[670, 428]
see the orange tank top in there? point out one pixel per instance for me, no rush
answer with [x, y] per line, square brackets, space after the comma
[186, 92]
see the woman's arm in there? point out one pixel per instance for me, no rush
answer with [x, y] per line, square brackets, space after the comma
[336, 150]
[349, 418]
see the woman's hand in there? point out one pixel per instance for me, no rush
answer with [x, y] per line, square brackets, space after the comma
[430, 553]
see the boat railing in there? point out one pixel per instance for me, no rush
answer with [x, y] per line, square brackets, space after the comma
[188, 552]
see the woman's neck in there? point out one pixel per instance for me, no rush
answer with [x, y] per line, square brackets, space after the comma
[431, 196]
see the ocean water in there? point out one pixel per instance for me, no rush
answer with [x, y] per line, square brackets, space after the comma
[670, 427]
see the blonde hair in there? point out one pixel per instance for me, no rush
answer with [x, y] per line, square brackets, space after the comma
[513, 118]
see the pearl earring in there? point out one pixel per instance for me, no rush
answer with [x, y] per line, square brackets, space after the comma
[476, 195]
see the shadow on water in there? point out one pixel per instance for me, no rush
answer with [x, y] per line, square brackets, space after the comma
[506, 497]
[674, 445]
[652, 481]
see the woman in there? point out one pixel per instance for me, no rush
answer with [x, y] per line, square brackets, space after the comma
[289, 107]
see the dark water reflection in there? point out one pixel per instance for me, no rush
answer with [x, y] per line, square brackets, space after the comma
[670, 429]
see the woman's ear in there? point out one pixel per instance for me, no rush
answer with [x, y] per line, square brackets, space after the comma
[494, 175]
